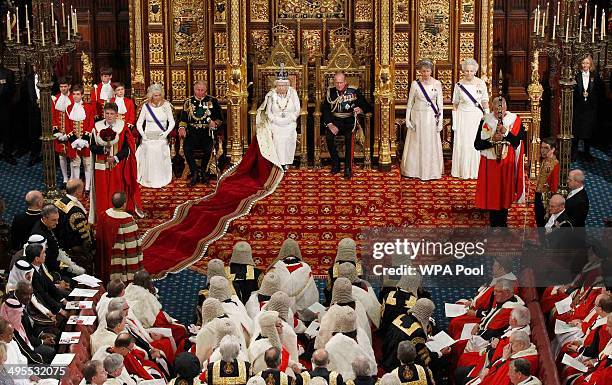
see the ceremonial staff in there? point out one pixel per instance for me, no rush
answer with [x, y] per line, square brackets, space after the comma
[499, 145]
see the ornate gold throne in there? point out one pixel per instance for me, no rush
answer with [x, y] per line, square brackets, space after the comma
[341, 58]
[264, 76]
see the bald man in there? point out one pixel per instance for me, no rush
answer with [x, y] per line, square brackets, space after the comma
[21, 228]
[320, 360]
[577, 201]
[558, 217]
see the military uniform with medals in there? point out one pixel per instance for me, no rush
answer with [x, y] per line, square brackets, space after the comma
[412, 374]
[276, 377]
[338, 109]
[228, 373]
[405, 328]
[195, 119]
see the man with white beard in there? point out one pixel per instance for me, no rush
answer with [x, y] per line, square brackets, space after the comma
[296, 278]
[342, 296]
[269, 285]
[220, 289]
[348, 342]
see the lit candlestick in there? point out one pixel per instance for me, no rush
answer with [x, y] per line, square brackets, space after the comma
[74, 22]
[558, 8]
[42, 33]
[56, 35]
[63, 16]
[567, 29]
[68, 29]
[547, 10]
[18, 38]
[543, 23]
[580, 34]
[586, 12]
[8, 25]
[52, 13]
[602, 28]
[28, 25]
[535, 21]
[554, 27]
[593, 31]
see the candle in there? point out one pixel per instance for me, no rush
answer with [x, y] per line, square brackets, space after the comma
[543, 23]
[554, 26]
[8, 25]
[68, 29]
[28, 25]
[535, 21]
[42, 33]
[558, 8]
[74, 22]
[56, 35]
[602, 28]
[593, 31]
[63, 16]
[52, 13]
[18, 38]
[567, 29]
[580, 34]
[586, 12]
[547, 10]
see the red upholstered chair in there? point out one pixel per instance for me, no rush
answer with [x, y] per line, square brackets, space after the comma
[539, 336]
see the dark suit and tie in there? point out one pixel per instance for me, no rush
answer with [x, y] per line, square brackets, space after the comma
[577, 207]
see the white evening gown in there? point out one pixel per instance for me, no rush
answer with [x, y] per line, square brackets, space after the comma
[153, 154]
[422, 156]
[282, 114]
[465, 125]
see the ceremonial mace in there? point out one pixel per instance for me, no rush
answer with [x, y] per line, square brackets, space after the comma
[499, 145]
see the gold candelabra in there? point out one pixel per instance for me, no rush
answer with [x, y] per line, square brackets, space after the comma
[41, 36]
[574, 32]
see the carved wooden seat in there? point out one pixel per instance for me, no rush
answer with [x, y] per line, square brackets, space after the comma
[342, 59]
[264, 76]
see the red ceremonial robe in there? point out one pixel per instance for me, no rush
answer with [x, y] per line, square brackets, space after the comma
[79, 130]
[97, 101]
[583, 303]
[121, 177]
[136, 363]
[130, 115]
[498, 373]
[500, 183]
[179, 332]
[59, 124]
[118, 253]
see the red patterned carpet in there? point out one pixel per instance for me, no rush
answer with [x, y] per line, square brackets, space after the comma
[318, 209]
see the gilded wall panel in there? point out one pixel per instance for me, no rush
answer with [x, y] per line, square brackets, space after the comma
[401, 47]
[189, 24]
[434, 29]
[260, 10]
[220, 11]
[220, 47]
[220, 84]
[311, 43]
[301, 9]
[155, 12]
[179, 85]
[156, 48]
[466, 45]
[260, 44]
[157, 76]
[402, 83]
[364, 11]
[364, 45]
[446, 78]
[401, 10]
[200, 75]
[467, 11]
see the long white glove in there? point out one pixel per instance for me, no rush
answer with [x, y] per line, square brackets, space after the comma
[57, 135]
[454, 116]
[63, 138]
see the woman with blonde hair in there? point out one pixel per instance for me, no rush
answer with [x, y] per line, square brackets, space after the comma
[470, 103]
[422, 155]
[154, 124]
